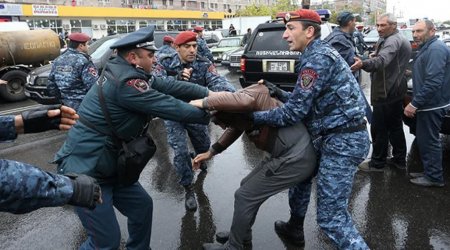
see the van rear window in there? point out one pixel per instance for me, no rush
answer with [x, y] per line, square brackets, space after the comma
[269, 40]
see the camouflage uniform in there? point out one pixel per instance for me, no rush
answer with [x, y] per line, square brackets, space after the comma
[203, 50]
[72, 75]
[327, 98]
[204, 73]
[23, 187]
[165, 50]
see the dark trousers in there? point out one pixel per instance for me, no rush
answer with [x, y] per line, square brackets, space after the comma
[387, 127]
[430, 148]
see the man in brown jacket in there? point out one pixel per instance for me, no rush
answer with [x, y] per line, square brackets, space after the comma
[291, 157]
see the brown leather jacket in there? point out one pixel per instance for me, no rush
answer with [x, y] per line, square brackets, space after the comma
[231, 106]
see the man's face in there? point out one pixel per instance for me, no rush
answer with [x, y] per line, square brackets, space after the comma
[296, 37]
[187, 52]
[421, 34]
[144, 59]
[83, 47]
[385, 28]
[352, 24]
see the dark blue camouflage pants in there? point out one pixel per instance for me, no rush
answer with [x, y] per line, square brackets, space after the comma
[340, 155]
[24, 188]
[176, 136]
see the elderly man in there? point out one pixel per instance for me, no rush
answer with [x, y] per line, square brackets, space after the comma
[73, 73]
[187, 65]
[132, 96]
[387, 66]
[431, 101]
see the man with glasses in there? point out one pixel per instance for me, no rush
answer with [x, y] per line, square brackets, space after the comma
[387, 66]
[73, 72]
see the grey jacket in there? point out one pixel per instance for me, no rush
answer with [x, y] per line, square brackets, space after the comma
[387, 68]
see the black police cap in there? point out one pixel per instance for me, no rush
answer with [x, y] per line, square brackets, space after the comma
[141, 38]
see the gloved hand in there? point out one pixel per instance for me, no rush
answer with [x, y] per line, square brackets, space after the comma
[86, 191]
[274, 91]
[37, 120]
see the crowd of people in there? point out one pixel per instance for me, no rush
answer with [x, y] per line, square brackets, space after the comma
[316, 131]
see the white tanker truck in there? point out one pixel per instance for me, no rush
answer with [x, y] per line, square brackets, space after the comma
[20, 52]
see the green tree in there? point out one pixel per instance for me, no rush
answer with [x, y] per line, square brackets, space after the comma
[264, 10]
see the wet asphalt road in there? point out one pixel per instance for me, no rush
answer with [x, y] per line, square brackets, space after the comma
[390, 212]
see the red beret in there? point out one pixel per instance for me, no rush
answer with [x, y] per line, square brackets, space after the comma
[198, 29]
[303, 15]
[79, 37]
[185, 37]
[168, 39]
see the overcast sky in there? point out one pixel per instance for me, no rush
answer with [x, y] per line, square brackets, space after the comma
[439, 10]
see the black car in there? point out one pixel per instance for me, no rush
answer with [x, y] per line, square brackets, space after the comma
[36, 86]
[267, 56]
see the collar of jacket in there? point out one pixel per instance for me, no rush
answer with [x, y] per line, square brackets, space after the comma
[427, 43]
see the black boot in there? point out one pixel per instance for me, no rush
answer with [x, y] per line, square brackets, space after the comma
[190, 202]
[222, 237]
[292, 230]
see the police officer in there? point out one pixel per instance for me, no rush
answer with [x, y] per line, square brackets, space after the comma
[186, 65]
[25, 188]
[73, 72]
[202, 46]
[326, 97]
[167, 49]
[131, 95]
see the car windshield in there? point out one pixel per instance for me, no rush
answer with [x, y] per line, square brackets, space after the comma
[372, 34]
[407, 33]
[229, 43]
[102, 49]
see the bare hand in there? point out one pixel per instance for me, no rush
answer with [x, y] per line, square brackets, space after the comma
[410, 111]
[261, 82]
[3, 81]
[200, 158]
[357, 65]
[197, 103]
[68, 116]
[186, 74]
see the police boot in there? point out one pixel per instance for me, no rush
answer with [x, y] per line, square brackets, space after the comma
[213, 246]
[292, 230]
[190, 202]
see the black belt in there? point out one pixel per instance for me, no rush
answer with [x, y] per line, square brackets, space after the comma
[343, 130]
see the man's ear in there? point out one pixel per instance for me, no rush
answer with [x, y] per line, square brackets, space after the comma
[131, 57]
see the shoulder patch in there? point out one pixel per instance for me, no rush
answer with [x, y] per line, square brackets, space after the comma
[308, 78]
[93, 71]
[139, 84]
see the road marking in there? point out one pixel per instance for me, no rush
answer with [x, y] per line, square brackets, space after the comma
[18, 110]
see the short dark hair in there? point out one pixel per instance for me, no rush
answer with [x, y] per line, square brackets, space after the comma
[316, 27]
[73, 44]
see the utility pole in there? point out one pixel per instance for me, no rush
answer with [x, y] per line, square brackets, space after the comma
[306, 4]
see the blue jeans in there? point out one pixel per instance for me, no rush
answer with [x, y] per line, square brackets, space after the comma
[101, 223]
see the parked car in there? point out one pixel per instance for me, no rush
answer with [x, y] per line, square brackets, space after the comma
[267, 55]
[232, 59]
[226, 44]
[36, 86]
[212, 38]
[372, 37]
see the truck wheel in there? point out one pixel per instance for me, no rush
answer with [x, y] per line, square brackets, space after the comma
[15, 89]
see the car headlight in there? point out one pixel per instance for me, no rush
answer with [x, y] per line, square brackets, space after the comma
[225, 57]
[41, 81]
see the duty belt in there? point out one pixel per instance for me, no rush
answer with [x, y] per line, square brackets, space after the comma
[342, 130]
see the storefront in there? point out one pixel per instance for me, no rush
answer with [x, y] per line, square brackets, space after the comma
[102, 21]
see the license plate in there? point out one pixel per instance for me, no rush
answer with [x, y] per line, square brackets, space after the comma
[278, 67]
[235, 64]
